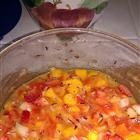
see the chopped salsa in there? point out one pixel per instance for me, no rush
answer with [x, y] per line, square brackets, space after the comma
[77, 104]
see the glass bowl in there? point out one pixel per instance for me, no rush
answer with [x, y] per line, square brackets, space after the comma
[69, 48]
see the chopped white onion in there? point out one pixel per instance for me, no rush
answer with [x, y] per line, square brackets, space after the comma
[25, 106]
[136, 108]
[112, 113]
[22, 130]
[83, 138]
[73, 138]
[34, 134]
[124, 102]
[131, 112]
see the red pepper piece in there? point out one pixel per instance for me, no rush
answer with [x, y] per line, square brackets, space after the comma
[25, 116]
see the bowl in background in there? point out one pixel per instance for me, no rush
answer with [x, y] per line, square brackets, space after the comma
[62, 13]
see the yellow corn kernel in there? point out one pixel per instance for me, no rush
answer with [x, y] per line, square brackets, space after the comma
[69, 99]
[74, 109]
[87, 88]
[93, 73]
[49, 93]
[69, 131]
[133, 137]
[82, 73]
[92, 135]
[38, 124]
[57, 73]
[100, 82]
[73, 85]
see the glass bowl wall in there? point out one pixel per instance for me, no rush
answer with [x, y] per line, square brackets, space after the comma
[69, 48]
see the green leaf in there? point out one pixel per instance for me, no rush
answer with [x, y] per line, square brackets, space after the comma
[33, 3]
[99, 5]
[38, 2]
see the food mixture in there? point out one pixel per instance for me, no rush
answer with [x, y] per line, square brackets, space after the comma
[77, 104]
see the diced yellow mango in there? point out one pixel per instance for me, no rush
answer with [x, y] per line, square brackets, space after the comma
[73, 85]
[38, 124]
[65, 75]
[69, 99]
[59, 127]
[74, 109]
[56, 73]
[62, 92]
[92, 135]
[133, 137]
[93, 73]
[49, 93]
[73, 82]
[69, 131]
[100, 82]
[82, 73]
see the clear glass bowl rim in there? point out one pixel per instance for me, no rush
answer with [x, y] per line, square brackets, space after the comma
[109, 36]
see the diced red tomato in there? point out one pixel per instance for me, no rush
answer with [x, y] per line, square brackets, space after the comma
[7, 113]
[101, 101]
[4, 138]
[122, 130]
[100, 93]
[84, 108]
[53, 83]
[116, 137]
[110, 136]
[134, 125]
[31, 97]
[25, 116]
[80, 99]
[66, 107]
[36, 110]
[51, 129]
[124, 90]
[108, 108]
[5, 128]
[89, 81]
[136, 128]
[39, 85]
[41, 102]
[107, 136]
[12, 115]
[118, 120]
